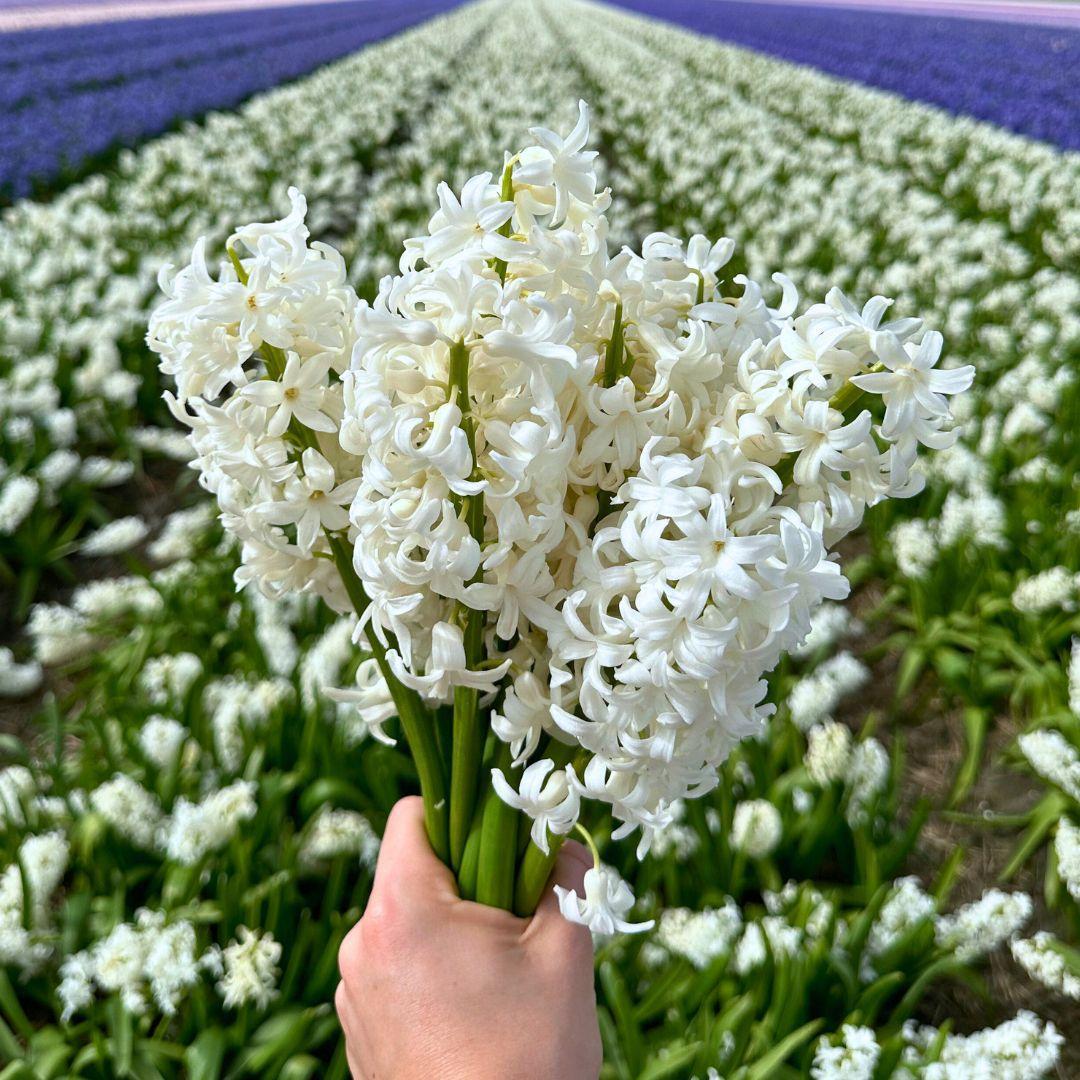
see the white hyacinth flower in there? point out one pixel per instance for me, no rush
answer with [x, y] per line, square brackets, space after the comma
[552, 801]
[18, 680]
[600, 486]
[603, 908]
[18, 497]
[854, 1057]
[828, 752]
[250, 969]
[115, 538]
[1038, 956]
[700, 936]
[981, 926]
[448, 667]
[1067, 850]
[756, 828]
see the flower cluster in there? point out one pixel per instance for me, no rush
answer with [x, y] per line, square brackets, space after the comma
[1043, 957]
[26, 890]
[853, 1058]
[152, 963]
[607, 484]
[1025, 1048]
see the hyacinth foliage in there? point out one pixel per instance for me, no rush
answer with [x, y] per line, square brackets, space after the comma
[580, 502]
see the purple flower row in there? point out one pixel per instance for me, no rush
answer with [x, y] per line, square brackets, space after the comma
[81, 91]
[1021, 77]
[128, 37]
[86, 64]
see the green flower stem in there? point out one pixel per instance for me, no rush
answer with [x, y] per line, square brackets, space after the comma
[416, 721]
[468, 733]
[613, 355]
[849, 394]
[506, 194]
[465, 756]
[238, 266]
[590, 843]
[533, 875]
[535, 868]
[459, 390]
[498, 844]
[470, 865]
[613, 363]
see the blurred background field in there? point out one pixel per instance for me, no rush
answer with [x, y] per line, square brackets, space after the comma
[888, 884]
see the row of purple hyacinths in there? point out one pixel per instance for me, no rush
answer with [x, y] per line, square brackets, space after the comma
[71, 94]
[1020, 77]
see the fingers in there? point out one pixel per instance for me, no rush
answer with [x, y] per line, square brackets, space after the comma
[407, 866]
[570, 868]
[569, 872]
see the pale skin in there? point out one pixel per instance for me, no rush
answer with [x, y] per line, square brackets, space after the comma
[433, 986]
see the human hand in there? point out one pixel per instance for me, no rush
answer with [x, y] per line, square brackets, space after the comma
[434, 987]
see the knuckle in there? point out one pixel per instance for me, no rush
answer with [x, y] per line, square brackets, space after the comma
[384, 925]
[349, 956]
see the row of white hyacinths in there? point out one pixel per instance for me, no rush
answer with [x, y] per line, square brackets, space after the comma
[581, 502]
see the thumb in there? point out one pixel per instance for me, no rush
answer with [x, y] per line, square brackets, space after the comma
[569, 873]
[408, 868]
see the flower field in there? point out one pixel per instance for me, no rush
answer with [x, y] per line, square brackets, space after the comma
[885, 883]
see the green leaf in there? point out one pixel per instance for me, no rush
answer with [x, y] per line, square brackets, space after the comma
[12, 1010]
[1043, 818]
[937, 970]
[203, 1059]
[911, 667]
[765, 1067]
[300, 1067]
[976, 724]
[673, 1063]
[331, 791]
[618, 1000]
[874, 996]
[121, 1037]
[9, 1045]
[18, 1070]
[613, 1055]
[276, 1039]
[947, 875]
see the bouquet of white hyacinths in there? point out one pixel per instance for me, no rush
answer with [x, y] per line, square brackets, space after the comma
[580, 503]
